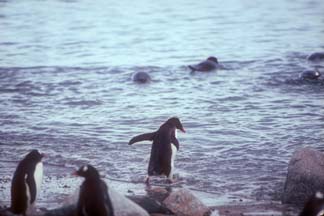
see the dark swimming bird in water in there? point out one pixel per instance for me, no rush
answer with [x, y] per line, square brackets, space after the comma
[141, 77]
[314, 206]
[93, 196]
[164, 148]
[317, 56]
[310, 75]
[208, 65]
[26, 183]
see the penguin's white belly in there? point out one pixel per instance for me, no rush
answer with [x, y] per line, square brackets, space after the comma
[27, 191]
[38, 176]
[28, 196]
[173, 156]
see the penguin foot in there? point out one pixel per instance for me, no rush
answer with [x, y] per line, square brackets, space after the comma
[147, 180]
[169, 181]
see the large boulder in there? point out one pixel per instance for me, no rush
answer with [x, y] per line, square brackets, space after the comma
[124, 206]
[305, 176]
[183, 203]
[171, 201]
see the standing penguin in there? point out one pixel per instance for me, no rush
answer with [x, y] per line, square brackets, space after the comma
[26, 183]
[93, 197]
[164, 148]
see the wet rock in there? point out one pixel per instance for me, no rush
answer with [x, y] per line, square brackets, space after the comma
[183, 203]
[151, 205]
[305, 176]
[158, 214]
[64, 211]
[5, 212]
[153, 201]
[164, 201]
[124, 206]
[158, 193]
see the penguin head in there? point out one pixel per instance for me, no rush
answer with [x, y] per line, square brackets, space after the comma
[34, 155]
[88, 172]
[175, 122]
[213, 59]
[310, 74]
[314, 206]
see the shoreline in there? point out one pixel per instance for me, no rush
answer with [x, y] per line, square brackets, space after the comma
[59, 190]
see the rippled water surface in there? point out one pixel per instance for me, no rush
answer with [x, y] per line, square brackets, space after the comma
[66, 88]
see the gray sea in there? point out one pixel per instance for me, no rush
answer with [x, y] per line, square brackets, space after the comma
[66, 87]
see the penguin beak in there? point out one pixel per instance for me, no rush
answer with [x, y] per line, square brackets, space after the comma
[183, 130]
[43, 155]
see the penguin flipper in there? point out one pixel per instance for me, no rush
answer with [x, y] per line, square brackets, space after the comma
[192, 68]
[81, 202]
[175, 141]
[142, 137]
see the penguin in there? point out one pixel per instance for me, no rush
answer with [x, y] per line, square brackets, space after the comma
[314, 206]
[209, 64]
[26, 183]
[93, 196]
[310, 75]
[164, 148]
[141, 77]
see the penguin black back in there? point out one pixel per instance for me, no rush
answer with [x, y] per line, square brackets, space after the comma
[23, 187]
[314, 206]
[211, 63]
[310, 75]
[93, 198]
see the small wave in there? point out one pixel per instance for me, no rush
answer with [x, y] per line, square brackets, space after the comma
[88, 103]
[299, 82]
[70, 83]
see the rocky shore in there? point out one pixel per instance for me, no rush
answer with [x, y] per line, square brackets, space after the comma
[157, 201]
[180, 202]
[60, 194]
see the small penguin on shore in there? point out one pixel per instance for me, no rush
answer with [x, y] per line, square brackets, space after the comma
[93, 197]
[211, 63]
[164, 148]
[314, 206]
[26, 183]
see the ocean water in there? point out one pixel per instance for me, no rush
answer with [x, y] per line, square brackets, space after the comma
[66, 88]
